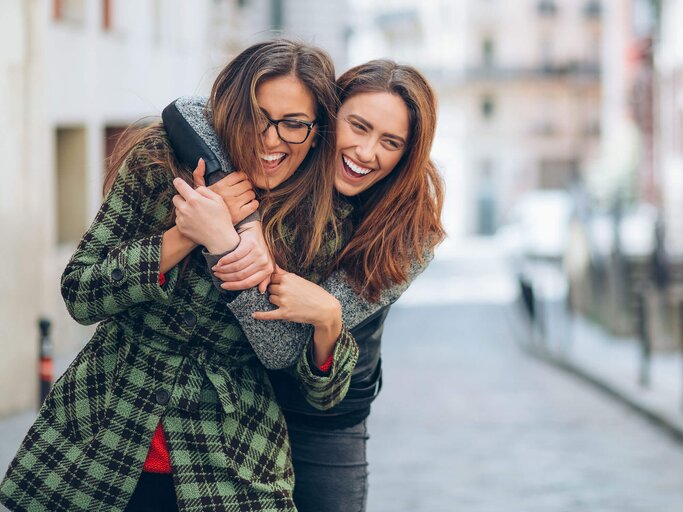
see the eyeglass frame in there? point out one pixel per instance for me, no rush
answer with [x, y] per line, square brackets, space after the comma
[276, 123]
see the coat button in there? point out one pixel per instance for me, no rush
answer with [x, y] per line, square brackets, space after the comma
[117, 274]
[189, 318]
[162, 396]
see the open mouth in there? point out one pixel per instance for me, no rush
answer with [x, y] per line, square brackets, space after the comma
[272, 161]
[353, 169]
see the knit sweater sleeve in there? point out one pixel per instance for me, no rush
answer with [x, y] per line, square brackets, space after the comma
[117, 262]
[279, 344]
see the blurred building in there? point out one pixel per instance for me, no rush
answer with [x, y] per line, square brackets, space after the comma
[519, 88]
[669, 60]
[73, 75]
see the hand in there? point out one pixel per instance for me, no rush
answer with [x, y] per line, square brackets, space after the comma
[250, 264]
[301, 301]
[235, 189]
[201, 216]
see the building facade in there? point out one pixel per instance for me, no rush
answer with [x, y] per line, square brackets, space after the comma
[519, 90]
[73, 75]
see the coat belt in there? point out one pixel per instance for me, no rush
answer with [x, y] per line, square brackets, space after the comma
[200, 363]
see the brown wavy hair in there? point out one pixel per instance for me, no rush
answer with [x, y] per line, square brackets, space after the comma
[304, 203]
[400, 216]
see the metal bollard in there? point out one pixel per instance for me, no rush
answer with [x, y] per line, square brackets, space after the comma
[680, 329]
[46, 370]
[643, 337]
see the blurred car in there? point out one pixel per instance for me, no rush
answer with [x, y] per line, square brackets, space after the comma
[538, 226]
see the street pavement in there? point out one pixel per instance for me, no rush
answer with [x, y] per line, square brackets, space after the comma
[467, 421]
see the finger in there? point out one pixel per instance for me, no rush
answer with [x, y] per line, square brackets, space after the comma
[239, 253]
[233, 268]
[245, 284]
[241, 275]
[263, 285]
[276, 314]
[242, 263]
[275, 300]
[234, 190]
[249, 208]
[177, 201]
[274, 289]
[198, 174]
[237, 177]
[209, 194]
[279, 271]
[275, 278]
[246, 196]
[184, 189]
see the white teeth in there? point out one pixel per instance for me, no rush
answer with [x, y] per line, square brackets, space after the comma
[355, 168]
[272, 157]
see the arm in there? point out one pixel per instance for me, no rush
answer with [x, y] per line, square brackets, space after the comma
[117, 263]
[325, 390]
[304, 302]
[278, 344]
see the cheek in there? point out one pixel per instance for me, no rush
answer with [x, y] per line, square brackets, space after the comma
[390, 163]
[346, 138]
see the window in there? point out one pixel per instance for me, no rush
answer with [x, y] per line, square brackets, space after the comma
[71, 184]
[546, 8]
[111, 137]
[487, 52]
[106, 14]
[592, 9]
[487, 107]
[276, 10]
[72, 11]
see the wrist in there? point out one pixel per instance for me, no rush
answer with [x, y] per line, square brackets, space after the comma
[226, 242]
[330, 324]
[246, 226]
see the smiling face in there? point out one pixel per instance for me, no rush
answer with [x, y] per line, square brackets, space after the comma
[372, 133]
[283, 97]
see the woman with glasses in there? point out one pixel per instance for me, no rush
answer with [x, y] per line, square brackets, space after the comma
[385, 128]
[167, 407]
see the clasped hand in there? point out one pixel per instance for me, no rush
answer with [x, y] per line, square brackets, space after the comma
[201, 219]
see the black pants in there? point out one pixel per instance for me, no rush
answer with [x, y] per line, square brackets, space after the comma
[154, 493]
[330, 468]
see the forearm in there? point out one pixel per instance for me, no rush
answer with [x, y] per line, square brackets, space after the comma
[325, 336]
[174, 247]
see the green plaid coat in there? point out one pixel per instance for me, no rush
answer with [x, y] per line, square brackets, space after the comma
[172, 353]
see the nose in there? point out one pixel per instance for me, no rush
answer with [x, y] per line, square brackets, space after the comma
[270, 137]
[366, 152]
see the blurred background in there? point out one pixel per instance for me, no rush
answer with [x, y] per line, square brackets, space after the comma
[560, 140]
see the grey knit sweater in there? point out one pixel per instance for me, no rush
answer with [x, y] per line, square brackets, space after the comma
[278, 344]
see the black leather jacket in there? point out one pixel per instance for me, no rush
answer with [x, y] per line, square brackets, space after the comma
[366, 383]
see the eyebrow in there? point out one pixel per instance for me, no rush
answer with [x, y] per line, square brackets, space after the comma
[369, 125]
[294, 114]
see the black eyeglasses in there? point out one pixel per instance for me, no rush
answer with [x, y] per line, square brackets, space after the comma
[291, 131]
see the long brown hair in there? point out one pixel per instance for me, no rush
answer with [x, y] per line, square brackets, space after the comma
[305, 201]
[400, 216]
[146, 139]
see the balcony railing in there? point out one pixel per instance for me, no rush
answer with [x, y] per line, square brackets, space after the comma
[586, 70]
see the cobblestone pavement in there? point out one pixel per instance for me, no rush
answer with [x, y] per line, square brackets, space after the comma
[466, 421]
